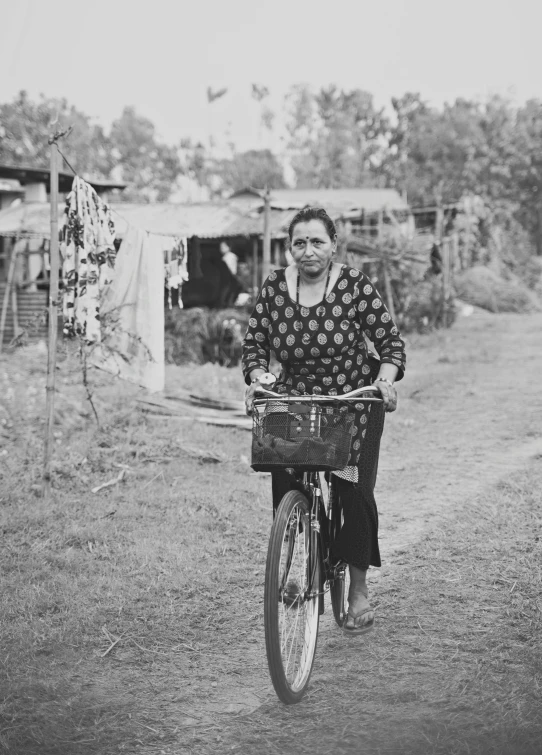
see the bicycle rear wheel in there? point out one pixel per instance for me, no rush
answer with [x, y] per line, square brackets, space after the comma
[292, 583]
[338, 591]
[340, 583]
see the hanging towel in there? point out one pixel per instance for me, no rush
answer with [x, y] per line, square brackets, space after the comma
[133, 312]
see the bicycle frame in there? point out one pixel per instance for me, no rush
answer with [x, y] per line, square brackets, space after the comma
[320, 521]
[322, 517]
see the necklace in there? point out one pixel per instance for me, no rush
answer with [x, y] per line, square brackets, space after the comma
[321, 307]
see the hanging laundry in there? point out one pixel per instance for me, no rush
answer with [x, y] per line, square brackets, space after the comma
[88, 253]
[171, 279]
[132, 344]
[176, 270]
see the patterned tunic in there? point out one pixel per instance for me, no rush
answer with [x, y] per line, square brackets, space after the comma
[88, 253]
[322, 348]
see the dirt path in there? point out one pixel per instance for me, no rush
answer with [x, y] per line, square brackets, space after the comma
[470, 414]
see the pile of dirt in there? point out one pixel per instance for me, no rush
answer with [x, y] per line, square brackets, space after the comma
[483, 288]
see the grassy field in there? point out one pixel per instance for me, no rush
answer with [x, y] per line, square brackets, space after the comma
[131, 619]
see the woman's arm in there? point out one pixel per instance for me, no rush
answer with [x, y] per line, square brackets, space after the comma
[256, 347]
[379, 328]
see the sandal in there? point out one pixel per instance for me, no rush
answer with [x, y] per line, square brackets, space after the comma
[358, 627]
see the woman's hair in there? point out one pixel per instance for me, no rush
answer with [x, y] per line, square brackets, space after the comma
[313, 213]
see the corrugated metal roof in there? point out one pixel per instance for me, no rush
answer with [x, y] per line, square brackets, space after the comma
[251, 224]
[206, 220]
[335, 201]
[25, 174]
[203, 219]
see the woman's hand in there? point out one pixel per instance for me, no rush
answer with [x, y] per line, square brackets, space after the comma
[250, 390]
[260, 379]
[388, 393]
[249, 397]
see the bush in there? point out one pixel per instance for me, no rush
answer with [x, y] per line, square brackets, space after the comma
[422, 308]
[482, 287]
[204, 335]
[531, 274]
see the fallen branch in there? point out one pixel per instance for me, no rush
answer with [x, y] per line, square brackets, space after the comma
[119, 478]
[146, 485]
[110, 648]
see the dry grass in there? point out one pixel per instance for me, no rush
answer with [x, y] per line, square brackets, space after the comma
[171, 563]
[482, 287]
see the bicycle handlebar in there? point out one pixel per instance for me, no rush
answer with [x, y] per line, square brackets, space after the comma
[350, 396]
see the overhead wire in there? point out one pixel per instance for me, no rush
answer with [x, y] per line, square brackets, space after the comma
[76, 174]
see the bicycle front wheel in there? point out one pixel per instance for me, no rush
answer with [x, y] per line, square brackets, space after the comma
[292, 584]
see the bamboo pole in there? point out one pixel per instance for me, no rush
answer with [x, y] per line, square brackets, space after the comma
[7, 292]
[266, 262]
[15, 310]
[53, 318]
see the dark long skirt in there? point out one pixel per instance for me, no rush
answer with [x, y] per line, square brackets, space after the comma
[357, 543]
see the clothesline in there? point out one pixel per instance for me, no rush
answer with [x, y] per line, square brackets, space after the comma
[76, 175]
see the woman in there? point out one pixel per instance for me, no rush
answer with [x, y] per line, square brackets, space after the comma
[314, 315]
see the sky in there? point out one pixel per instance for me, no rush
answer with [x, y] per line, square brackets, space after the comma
[161, 56]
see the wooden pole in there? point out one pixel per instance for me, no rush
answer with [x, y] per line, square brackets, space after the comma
[15, 310]
[53, 318]
[266, 262]
[7, 292]
[276, 253]
[255, 279]
[445, 254]
[388, 289]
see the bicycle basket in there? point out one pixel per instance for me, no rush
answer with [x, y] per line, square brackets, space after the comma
[307, 436]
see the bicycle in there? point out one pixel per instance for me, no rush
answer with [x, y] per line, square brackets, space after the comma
[311, 434]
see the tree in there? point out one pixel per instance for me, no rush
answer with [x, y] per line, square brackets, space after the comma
[255, 168]
[336, 137]
[148, 166]
[527, 169]
[25, 127]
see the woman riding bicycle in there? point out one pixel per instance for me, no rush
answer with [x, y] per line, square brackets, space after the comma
[314, 315]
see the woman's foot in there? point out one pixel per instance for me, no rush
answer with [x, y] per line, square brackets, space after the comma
[360, 617]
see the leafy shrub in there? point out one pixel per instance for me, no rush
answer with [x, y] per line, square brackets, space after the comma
[531, 274]
[201, 335]
[422, 308]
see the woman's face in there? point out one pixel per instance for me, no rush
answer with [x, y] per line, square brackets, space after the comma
[311, 247]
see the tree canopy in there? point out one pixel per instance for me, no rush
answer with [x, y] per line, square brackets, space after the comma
[332, 138]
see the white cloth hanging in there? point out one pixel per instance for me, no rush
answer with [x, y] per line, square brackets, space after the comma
[176, 270]
[132, 312]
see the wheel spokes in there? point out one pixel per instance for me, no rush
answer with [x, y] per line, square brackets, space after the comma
[295, 615]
